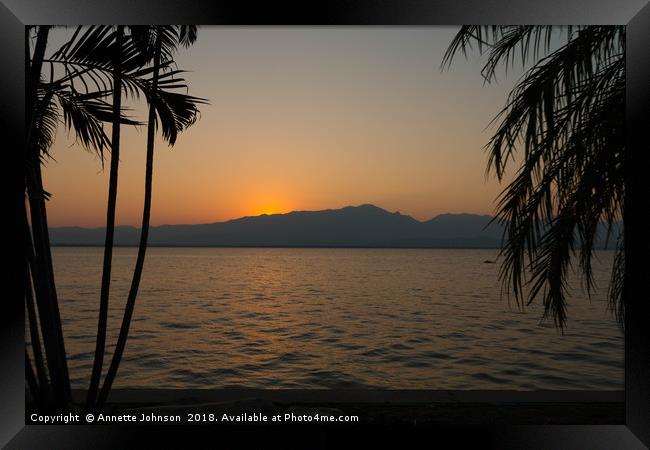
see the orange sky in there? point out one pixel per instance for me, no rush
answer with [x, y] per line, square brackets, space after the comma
[303, 119]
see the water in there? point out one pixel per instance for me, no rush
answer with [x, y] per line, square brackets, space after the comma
[332, 318]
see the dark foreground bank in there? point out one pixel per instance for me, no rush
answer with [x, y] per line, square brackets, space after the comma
[235, 406]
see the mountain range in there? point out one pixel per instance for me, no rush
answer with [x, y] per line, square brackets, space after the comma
[351, 226]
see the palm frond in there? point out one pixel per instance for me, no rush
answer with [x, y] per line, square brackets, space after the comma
[85, 117]
[566, 115]
[175, 113]
[85, 114]
[187, 35]
[45, 124]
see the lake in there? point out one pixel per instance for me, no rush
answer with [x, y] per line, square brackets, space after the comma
[332, 318]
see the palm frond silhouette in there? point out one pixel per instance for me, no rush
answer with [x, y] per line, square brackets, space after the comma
[567, 116]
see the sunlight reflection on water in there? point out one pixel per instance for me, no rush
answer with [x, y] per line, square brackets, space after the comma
[332, 318]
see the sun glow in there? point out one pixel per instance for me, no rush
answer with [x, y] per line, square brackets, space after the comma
[267, 204]
[269, 199]
[268, 209]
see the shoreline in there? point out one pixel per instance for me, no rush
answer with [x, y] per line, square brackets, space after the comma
[383, 406]
[372, 406]
[414, 396]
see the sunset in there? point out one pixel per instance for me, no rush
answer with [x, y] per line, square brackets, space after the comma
[316, 222]
[303, 120]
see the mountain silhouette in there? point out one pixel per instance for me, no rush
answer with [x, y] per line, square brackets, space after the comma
[351, 226]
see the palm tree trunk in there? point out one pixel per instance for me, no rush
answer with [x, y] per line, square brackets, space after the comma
[34, 336]
[43, 269]
[144, 233]
[31, 314]
[100, 343]
[31, 380]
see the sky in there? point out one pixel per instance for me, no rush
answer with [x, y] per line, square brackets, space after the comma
[302, 118]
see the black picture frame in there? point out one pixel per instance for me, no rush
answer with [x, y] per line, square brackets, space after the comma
[635, 14]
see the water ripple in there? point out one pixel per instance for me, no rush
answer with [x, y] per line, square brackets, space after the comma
[332, 318]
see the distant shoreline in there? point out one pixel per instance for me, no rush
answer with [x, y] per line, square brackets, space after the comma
[363, 227]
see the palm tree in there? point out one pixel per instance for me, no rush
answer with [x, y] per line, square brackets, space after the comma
[104, 58]
[567, 115]
[50, 102]
[40, 388]
[176, 112]
[38, 383]
[39, 135]
[106, 48]
[100, 342]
